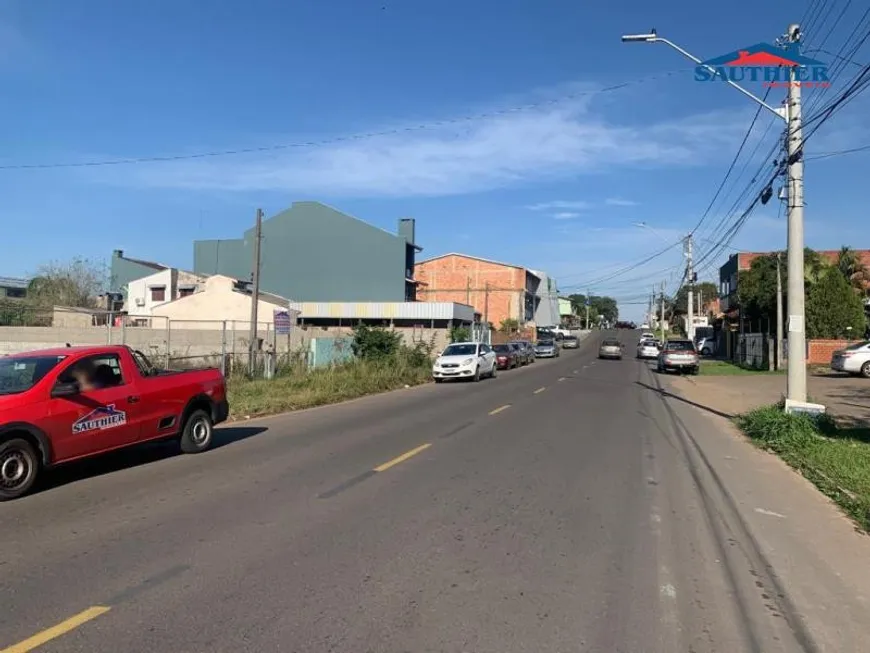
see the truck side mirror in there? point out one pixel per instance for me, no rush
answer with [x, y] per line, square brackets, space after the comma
[65, 389]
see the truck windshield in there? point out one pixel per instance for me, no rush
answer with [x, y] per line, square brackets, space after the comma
[19, 374]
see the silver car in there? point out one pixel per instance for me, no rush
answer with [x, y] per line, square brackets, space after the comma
[546, 349]
[610, 349]
[854, 359]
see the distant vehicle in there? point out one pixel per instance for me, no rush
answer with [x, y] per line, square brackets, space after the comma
[647, 349]
[610, 348]
[546, 349]
[570, 342]
[644, 326]
[71, 403]
[647, 335]
[679, 356]
[626, 325]
[854, 359]
[507, 357]
[470, 360]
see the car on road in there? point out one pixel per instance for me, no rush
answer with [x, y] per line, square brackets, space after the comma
[610, 349]
[647, 335]
[527, 351]
[570, 342]
[507, 357]
[70, 403]
[546, 349]
[854, 359]
[647, 349]
[679, 356]
[465, 360]
[706, 346]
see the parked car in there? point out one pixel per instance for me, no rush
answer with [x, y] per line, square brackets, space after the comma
[546, 349]
[570, 342]
[70, 403]
[648, 349]
[706, 346]
[507, 357]
[610, 348]
[647, 335]
[527, 351]
[680, 356]
[469, 360]
[854, 359]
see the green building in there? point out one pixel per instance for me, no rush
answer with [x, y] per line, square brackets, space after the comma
[313, 253]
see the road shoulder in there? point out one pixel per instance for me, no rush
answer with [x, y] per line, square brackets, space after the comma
[813, 551]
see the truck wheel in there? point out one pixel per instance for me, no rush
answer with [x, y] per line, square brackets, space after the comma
[19, 467]
[197, 433]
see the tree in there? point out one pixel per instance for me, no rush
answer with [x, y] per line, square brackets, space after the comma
[708, 290]
[853, 270]
[77, 283]
[509, 325]
[758, 287]
[833, 307]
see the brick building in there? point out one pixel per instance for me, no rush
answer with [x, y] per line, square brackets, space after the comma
[498, 291]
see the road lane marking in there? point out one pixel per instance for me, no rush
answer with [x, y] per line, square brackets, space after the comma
[561, 378]
[499, 409]
[770, 513]
[56, 631]
[400, 459]
[540, 390]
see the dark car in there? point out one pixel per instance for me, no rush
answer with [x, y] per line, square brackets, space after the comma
[680, 356]
[507, 357]
[526, 350]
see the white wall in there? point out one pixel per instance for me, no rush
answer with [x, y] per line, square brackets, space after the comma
[140, 290]
[215, 303]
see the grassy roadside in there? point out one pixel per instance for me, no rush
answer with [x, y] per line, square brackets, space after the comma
[835, 459]
[727, 368]
[299, 388]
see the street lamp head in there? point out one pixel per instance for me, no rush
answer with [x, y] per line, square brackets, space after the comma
[640, 38]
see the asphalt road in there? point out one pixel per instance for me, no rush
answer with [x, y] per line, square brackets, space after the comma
[558, 507]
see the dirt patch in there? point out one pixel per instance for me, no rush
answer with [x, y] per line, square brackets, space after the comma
[847, 398]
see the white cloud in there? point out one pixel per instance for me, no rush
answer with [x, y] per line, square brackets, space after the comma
[502, 150]
[618, 201]
[560, 204]
[566, 215]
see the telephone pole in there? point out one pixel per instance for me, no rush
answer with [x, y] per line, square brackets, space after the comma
[255, 292]
[662, 319]
[797, 366]
[690, 299]
[778, 311]
[587, 309]
[486, 310]
[468, 291]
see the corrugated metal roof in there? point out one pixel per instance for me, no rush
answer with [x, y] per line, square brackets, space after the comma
[13, 282]
[385, 310]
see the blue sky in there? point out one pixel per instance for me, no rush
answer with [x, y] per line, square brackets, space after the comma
[493, 129]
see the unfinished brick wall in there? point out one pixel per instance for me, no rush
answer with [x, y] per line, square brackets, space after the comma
[819, 351]
[464, 280]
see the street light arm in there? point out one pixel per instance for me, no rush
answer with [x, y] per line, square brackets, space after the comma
[780, 113]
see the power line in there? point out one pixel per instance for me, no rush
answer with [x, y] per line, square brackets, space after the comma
[826, 155]
[629, 268]
[339, 139]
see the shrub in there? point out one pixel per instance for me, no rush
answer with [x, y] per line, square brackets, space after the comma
[374, 343]
[460, 334]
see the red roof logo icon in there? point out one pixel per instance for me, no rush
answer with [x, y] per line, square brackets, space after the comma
[760, 59]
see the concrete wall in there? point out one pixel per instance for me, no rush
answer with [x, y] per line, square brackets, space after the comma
[462, 279]
[312, 252]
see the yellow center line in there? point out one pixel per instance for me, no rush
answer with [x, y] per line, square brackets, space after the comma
[396, 460]
[499, 409]
[540, 390]
[56, 631]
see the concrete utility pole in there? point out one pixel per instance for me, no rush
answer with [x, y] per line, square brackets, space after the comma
[797, 343]
[778, 311]
[587, 309]
[690, 299]
[791, 114]
[662, 320]
[486, 307]
[255, 292]
[468, 291]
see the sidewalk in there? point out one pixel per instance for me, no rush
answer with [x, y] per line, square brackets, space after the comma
[847, 398]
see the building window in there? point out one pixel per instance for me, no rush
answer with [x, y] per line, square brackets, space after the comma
[185, 292]
[158, 293]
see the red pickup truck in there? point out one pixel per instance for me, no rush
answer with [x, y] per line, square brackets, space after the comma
[59, 405]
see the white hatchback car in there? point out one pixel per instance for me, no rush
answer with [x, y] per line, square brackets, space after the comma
[470, 360]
